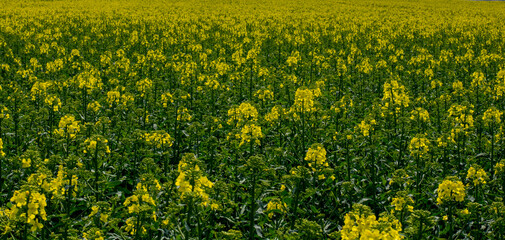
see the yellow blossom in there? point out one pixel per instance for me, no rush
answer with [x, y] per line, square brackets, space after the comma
[450, 190]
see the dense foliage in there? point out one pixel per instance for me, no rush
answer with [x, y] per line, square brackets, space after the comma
[234, 119]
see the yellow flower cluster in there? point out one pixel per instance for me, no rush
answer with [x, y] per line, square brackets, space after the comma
[96, 235]
[361, 223]
[402, 201]
[2, 154]
[141, 204]
[462, 117]
[499, 168]
[167, 98]
[479, 81]
[365, 127]
[39, 89]
[27, 205]
[141, 197]
[499, 87]
[130, 226]
[183, 114]
[264, 94]
[91, 144]
[478, 177]
[94, 106]
[450, 190]
[419, 146]
[40, 179]
[89, 81]
[60, 185]
[96, 210]
[54, 102]
[293, 59]
[250, 132]
[316, 156]
[242, 114]
[492, 116]
[212, 81]
[342, 105]
[68, 126]
[159, 139]
[435, 83]
[144, 86]
[115, 98]
[274, 114]
[276, 205]
[420, 114]
[305, 101]
[458, 89]
[4, 113]
[395, 97]
[26, 162]
[191, 180]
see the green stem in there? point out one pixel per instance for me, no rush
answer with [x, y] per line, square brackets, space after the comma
[253, 207]
[295, 203]
[420, 231]
[25, 231]
[348, 160]
[95, 162]
[137, 227]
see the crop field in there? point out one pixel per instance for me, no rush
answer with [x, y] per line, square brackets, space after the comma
[252, 119]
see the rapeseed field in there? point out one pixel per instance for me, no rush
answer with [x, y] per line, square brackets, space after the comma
[252, 119]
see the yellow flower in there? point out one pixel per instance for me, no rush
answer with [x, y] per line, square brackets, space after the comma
[54, 102]
[2, 154]
[183, 114]
[94, 106]
[35, 204]
[158, 139]
[419, 146]
[264, 94]
[492, 116]
[4, 112]
[420, 114]
[276, 204]
[462, 117]
[250, 132]
[465, 211]
[89, 81]
[394, 98]
[191, 180]
[26, 162]
[317, 155]
[274, 114]
[293, 59]
[450, 190]
[305, 101]
[94, 211]
[499, 168]
[361, 223]
[365, 127]
[167, 98]
[139, 203]
[242, 114]
[58, 186]
[68, 126]
[214, 206]
[478, 177]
